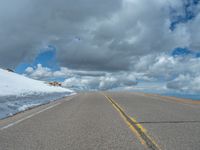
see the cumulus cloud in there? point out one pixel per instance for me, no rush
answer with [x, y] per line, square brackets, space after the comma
[28, 25]
[103, 44]
[179, 73]
[167, 67]
[92, 35]
[186, 83]
[107, 82]
[39, 72]
[84, 80]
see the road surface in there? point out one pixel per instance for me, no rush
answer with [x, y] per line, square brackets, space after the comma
[105, 121]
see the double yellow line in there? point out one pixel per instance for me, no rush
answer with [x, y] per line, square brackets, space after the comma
[135, 127]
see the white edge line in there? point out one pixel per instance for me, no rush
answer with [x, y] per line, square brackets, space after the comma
[32, 115]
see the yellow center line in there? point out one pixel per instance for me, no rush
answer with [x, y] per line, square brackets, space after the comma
[135, 127]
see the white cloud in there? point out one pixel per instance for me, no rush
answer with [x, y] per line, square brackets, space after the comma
[39, 72]
[178, 73]
[107, 29]
[166, 66]
[29, 70]
[109, 81]
[84, 80]
[103, 45]
[186, 83]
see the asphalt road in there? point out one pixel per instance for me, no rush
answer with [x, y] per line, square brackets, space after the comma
[117, 120]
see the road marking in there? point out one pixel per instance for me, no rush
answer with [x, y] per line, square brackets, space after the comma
[135, 127]
[27, 117]
[32, 115]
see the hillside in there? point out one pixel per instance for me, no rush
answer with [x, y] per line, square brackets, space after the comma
[18, 93]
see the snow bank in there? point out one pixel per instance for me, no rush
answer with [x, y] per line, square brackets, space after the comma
[18, 85]
[18, 93]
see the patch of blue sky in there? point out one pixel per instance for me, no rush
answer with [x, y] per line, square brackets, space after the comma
[22, 67]
[47, 57]
[187, 15]
[181, 52]
[184, 52]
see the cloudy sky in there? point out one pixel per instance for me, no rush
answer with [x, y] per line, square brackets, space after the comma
[104, 44]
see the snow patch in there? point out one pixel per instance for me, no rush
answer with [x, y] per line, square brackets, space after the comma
[19, 93]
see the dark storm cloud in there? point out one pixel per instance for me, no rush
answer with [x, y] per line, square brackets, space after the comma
[109, 32]
[28, 25]
[109, 36]
[112, 43]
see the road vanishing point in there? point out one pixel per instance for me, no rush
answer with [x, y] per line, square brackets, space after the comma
[105, 121]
